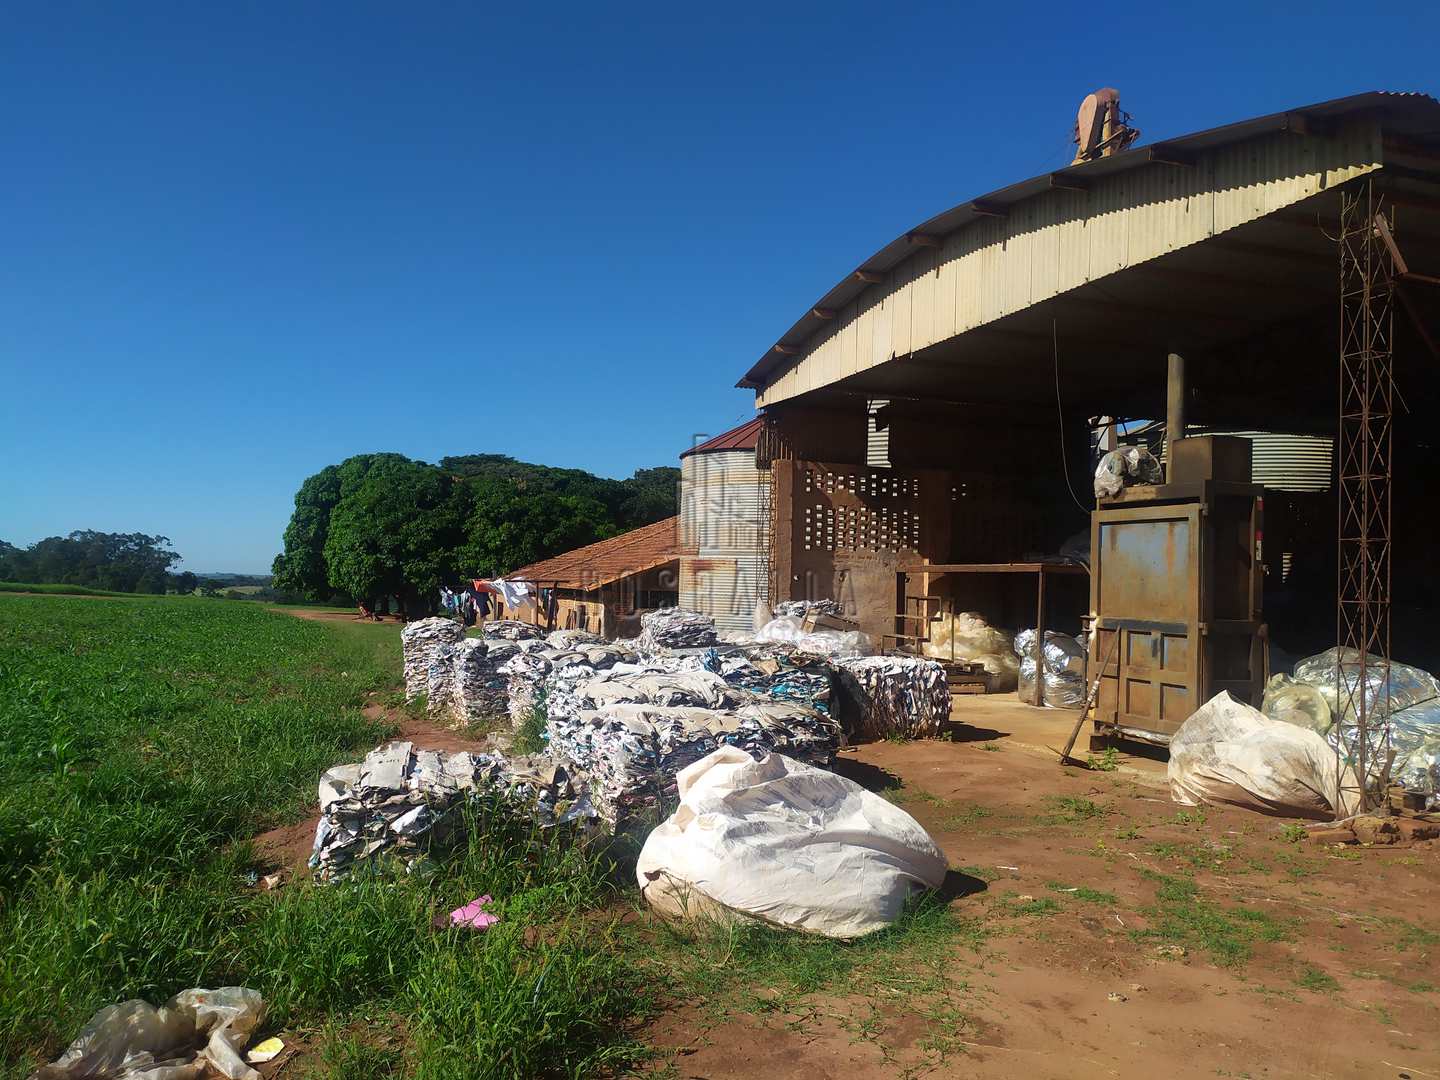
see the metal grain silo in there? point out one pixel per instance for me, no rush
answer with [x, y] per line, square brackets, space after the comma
[724, 525]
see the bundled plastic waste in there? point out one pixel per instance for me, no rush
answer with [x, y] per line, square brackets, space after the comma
[196, 1033]
[1064, 669]
[440, 679]
[966, 637]
[1126, 467]
[478, 693]
[403, 802]
[570, 639]
[776, 840]
[512, 630]
[1227, 752]
[418, 642]
[525, 674]
[788, 630]
[775, 674]
[902, 696]
[1408, 702]
[800, 608]
[1297, 703]
[675, 628]
[631, 751]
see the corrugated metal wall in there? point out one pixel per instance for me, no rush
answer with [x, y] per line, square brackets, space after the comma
[1062, 239]
[724, 520]
[1283, 462]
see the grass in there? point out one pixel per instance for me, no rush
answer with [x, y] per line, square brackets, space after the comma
[62, 590]
[1313, 978]
[1082, 892]
[530, 735]
[143, 741]
[1182, 916]
[1071, 810]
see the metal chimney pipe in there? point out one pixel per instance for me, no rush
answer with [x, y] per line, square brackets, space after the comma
[1174, 411]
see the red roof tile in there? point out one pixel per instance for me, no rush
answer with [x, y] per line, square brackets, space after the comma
[600, 563]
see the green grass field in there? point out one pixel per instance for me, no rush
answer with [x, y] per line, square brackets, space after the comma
[60, 590]
[142, 742]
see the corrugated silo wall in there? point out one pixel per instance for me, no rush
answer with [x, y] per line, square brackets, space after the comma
[724, 514]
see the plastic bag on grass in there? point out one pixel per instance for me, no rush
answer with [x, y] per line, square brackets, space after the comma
[196, 1033]
[786, 844]
[1229, 753]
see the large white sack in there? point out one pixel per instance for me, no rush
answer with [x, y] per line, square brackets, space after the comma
[1228, 752]
[787, 844]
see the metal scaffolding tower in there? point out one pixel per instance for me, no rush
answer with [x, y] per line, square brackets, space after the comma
[1367, 296]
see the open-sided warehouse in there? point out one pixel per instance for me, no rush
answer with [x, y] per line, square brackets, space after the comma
[1267, 277]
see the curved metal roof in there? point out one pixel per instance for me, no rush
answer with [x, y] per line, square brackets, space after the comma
[1413, 114]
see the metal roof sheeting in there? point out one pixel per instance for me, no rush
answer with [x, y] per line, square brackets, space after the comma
[743, 437]
[1412, 114]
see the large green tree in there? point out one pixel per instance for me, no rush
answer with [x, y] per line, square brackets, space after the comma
[122, 562]
[395, 532]
[511, 526]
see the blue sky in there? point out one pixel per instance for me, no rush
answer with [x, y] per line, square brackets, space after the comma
[245, 241]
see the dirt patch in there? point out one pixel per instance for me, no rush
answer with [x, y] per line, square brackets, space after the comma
[1128, 937]
[320, 615]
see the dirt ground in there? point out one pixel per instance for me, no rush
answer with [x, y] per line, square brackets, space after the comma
[1085, 972]
[325, 615]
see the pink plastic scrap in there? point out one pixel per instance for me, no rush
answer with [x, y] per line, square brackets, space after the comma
[473, 915]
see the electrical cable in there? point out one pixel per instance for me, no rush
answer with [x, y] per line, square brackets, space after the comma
[1060, 418]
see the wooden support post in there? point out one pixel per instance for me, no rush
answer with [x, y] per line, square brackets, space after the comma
[1040, 639]
[1175, 390]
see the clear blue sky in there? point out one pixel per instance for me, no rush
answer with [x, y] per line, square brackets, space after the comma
[243, 241]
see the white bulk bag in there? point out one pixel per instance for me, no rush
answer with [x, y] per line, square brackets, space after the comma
[787, 844]
[1228, 752]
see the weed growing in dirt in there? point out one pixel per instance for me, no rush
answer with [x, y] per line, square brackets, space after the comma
[1108, 760]
[1071, 810]
[1181, 915]
[990, 747]
[1292, 834]
[984, 873]
[1313, 978]
[529, 736]
[966, 816]
[1082, 892]
[907, 968]
[1190, 817]
[1029, 905]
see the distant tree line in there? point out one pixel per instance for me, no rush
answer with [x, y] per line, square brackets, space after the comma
[118, 562]
[378, 526]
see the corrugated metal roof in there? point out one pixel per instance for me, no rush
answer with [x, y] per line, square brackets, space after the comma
[743, 437]
[599, 564]
[1413, 114]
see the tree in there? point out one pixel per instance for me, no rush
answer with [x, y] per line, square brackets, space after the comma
[186, 582]
[395, 532]
[123, 562]
[512, 526]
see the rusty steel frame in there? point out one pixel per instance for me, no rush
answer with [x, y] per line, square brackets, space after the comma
[1364, 478]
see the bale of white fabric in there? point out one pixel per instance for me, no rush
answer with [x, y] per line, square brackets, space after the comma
[1229, 753]
[786, 844]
